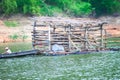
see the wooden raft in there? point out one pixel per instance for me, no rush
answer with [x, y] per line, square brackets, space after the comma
[73, 34]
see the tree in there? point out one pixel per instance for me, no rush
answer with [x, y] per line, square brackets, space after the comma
[105, 6]
[8, 6]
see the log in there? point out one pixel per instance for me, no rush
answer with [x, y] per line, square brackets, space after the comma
[59, 37]
[40, 25]
[39, 31]
[59, 40]
[39, 39]
[35, 44]
[58, 34]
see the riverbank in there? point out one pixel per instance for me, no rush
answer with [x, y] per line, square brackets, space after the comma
[16, 46]
[22, 31]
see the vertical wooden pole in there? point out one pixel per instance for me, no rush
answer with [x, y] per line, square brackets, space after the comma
[85, 36]
[105, 38]
[101, 32]
[69, 39]
[49, 38]
[33, 37]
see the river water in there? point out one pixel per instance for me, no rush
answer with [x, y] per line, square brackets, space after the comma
[37, 68]
[95, 66]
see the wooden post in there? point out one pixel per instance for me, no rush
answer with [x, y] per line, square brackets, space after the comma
[69, 39]
[105, 38]
[85, 36]
[34, 25]
[101, 32]
[49, 38]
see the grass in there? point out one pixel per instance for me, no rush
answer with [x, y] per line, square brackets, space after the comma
[16, 46]
[11, 23]
[113, 42]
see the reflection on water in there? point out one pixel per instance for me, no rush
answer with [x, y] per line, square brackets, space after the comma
[16, 46]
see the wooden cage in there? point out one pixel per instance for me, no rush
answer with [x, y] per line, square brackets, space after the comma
[73, 34]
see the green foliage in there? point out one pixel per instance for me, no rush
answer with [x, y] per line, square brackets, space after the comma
[23, 36]
[50, 10]
[11, 23]
[113, 42]
[63, 4]
[79, 9]
[53, 7]
[29, 6]
[32, 8]
[105, 6]
[72, 7]
[14, 36]
[9, 7]
[16, 46]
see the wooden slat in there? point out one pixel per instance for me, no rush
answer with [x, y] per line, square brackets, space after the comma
[40, 25]
[77, 30]
[39, 35]
[40, 31]
[59, 40]
[35, 44]
[62, 34]
[77, 40]
[59, 37]
[40, 39]
[94, 30]
[77, 34]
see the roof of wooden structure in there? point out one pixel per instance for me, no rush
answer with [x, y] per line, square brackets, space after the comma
[76, 22]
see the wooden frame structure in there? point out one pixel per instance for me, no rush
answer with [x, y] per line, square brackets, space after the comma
[73, 34]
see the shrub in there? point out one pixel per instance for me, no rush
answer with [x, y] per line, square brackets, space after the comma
[14, 36]
[23, 36]
[50, 10]
[105, 6]
[72, 7]
[80, 9]
[11, 23]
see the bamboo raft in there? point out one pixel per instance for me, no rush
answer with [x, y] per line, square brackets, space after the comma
[38, 52]
[35, 52]
[19, 54]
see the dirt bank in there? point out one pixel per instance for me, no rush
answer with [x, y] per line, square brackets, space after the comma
[113, 26]
[25, 27]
